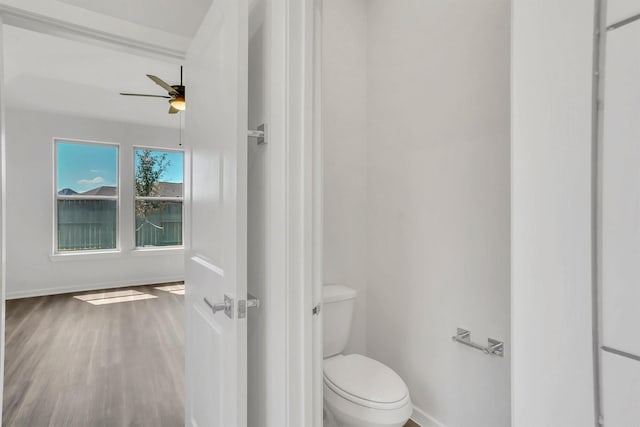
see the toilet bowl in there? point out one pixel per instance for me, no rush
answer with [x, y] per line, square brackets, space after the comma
[358, 391]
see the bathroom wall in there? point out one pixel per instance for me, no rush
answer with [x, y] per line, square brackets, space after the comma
[436, 208]
[345, 158]
[438, 202]
[552, 213]
[31, 270]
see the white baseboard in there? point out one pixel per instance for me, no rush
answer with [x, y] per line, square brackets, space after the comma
[89, 287]
[425, 420]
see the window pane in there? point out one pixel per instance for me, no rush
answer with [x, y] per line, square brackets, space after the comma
[159, 173]
[86, 224]
[158, 223]
[87, 169]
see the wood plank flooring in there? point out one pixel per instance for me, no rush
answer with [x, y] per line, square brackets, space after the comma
[71, 363]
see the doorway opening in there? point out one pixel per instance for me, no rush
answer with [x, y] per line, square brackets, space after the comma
[95, 259]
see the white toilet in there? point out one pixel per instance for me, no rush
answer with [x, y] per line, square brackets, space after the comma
[358, 391]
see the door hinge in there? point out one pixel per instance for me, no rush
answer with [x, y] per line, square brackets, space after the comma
[315, 311]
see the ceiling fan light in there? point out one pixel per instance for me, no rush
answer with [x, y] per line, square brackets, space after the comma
[178, 103]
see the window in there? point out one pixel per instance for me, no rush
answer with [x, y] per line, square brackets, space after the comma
[159, 178]
[86, 196]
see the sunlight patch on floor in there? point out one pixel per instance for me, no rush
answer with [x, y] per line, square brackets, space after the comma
[113, 297]
[174, 289]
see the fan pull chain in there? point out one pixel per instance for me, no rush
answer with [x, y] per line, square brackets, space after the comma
[180, 135]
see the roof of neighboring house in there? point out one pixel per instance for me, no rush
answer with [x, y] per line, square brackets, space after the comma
[161, 189]
[105, 190]
[67, 192]
[168, 189]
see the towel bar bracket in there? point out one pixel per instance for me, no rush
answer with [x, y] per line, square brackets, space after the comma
[493, 348]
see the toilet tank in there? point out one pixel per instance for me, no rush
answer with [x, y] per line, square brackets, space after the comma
[338, 302]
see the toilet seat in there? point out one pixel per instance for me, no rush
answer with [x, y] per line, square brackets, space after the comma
[365, 382]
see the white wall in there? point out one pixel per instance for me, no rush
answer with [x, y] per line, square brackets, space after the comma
[552, 48]
[345, 159]
[438, 201]
[436, 211]
[30, 203]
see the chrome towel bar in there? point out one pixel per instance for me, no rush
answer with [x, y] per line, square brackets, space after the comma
[493, 348]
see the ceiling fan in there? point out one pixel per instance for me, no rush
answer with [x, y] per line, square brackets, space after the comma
[175, 93]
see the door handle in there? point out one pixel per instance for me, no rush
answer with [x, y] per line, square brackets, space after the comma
[227, 306]
[216, 307]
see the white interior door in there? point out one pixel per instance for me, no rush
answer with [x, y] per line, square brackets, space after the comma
[216, 260]
[620, 229]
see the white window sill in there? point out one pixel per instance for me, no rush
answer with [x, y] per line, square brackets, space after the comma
[154, 251]
[85, 255]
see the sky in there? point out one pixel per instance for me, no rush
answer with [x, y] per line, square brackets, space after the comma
[174, 172]
[83, 167]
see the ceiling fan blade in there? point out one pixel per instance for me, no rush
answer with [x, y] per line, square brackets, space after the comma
[143, 94]
[173, 110]
[162, 84]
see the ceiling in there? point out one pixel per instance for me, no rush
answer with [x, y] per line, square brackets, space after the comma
[181, 17]
[47, 73]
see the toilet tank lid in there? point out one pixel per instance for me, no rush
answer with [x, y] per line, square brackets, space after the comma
[333, 293]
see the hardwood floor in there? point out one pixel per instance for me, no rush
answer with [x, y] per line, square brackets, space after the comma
[70, 362]
[110, 358]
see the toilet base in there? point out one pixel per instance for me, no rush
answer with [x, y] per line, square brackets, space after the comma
[328, 420]
[331, 421]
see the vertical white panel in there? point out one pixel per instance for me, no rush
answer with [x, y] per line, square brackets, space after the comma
[3, 210]
[216, 264]
[620, 391]
[620, 227]
[258, 198]
[551, 213]
[205, 406]
[621, 191]
[316, 117]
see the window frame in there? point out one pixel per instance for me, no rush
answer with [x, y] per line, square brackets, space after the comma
[160, 199]
[82, 252]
